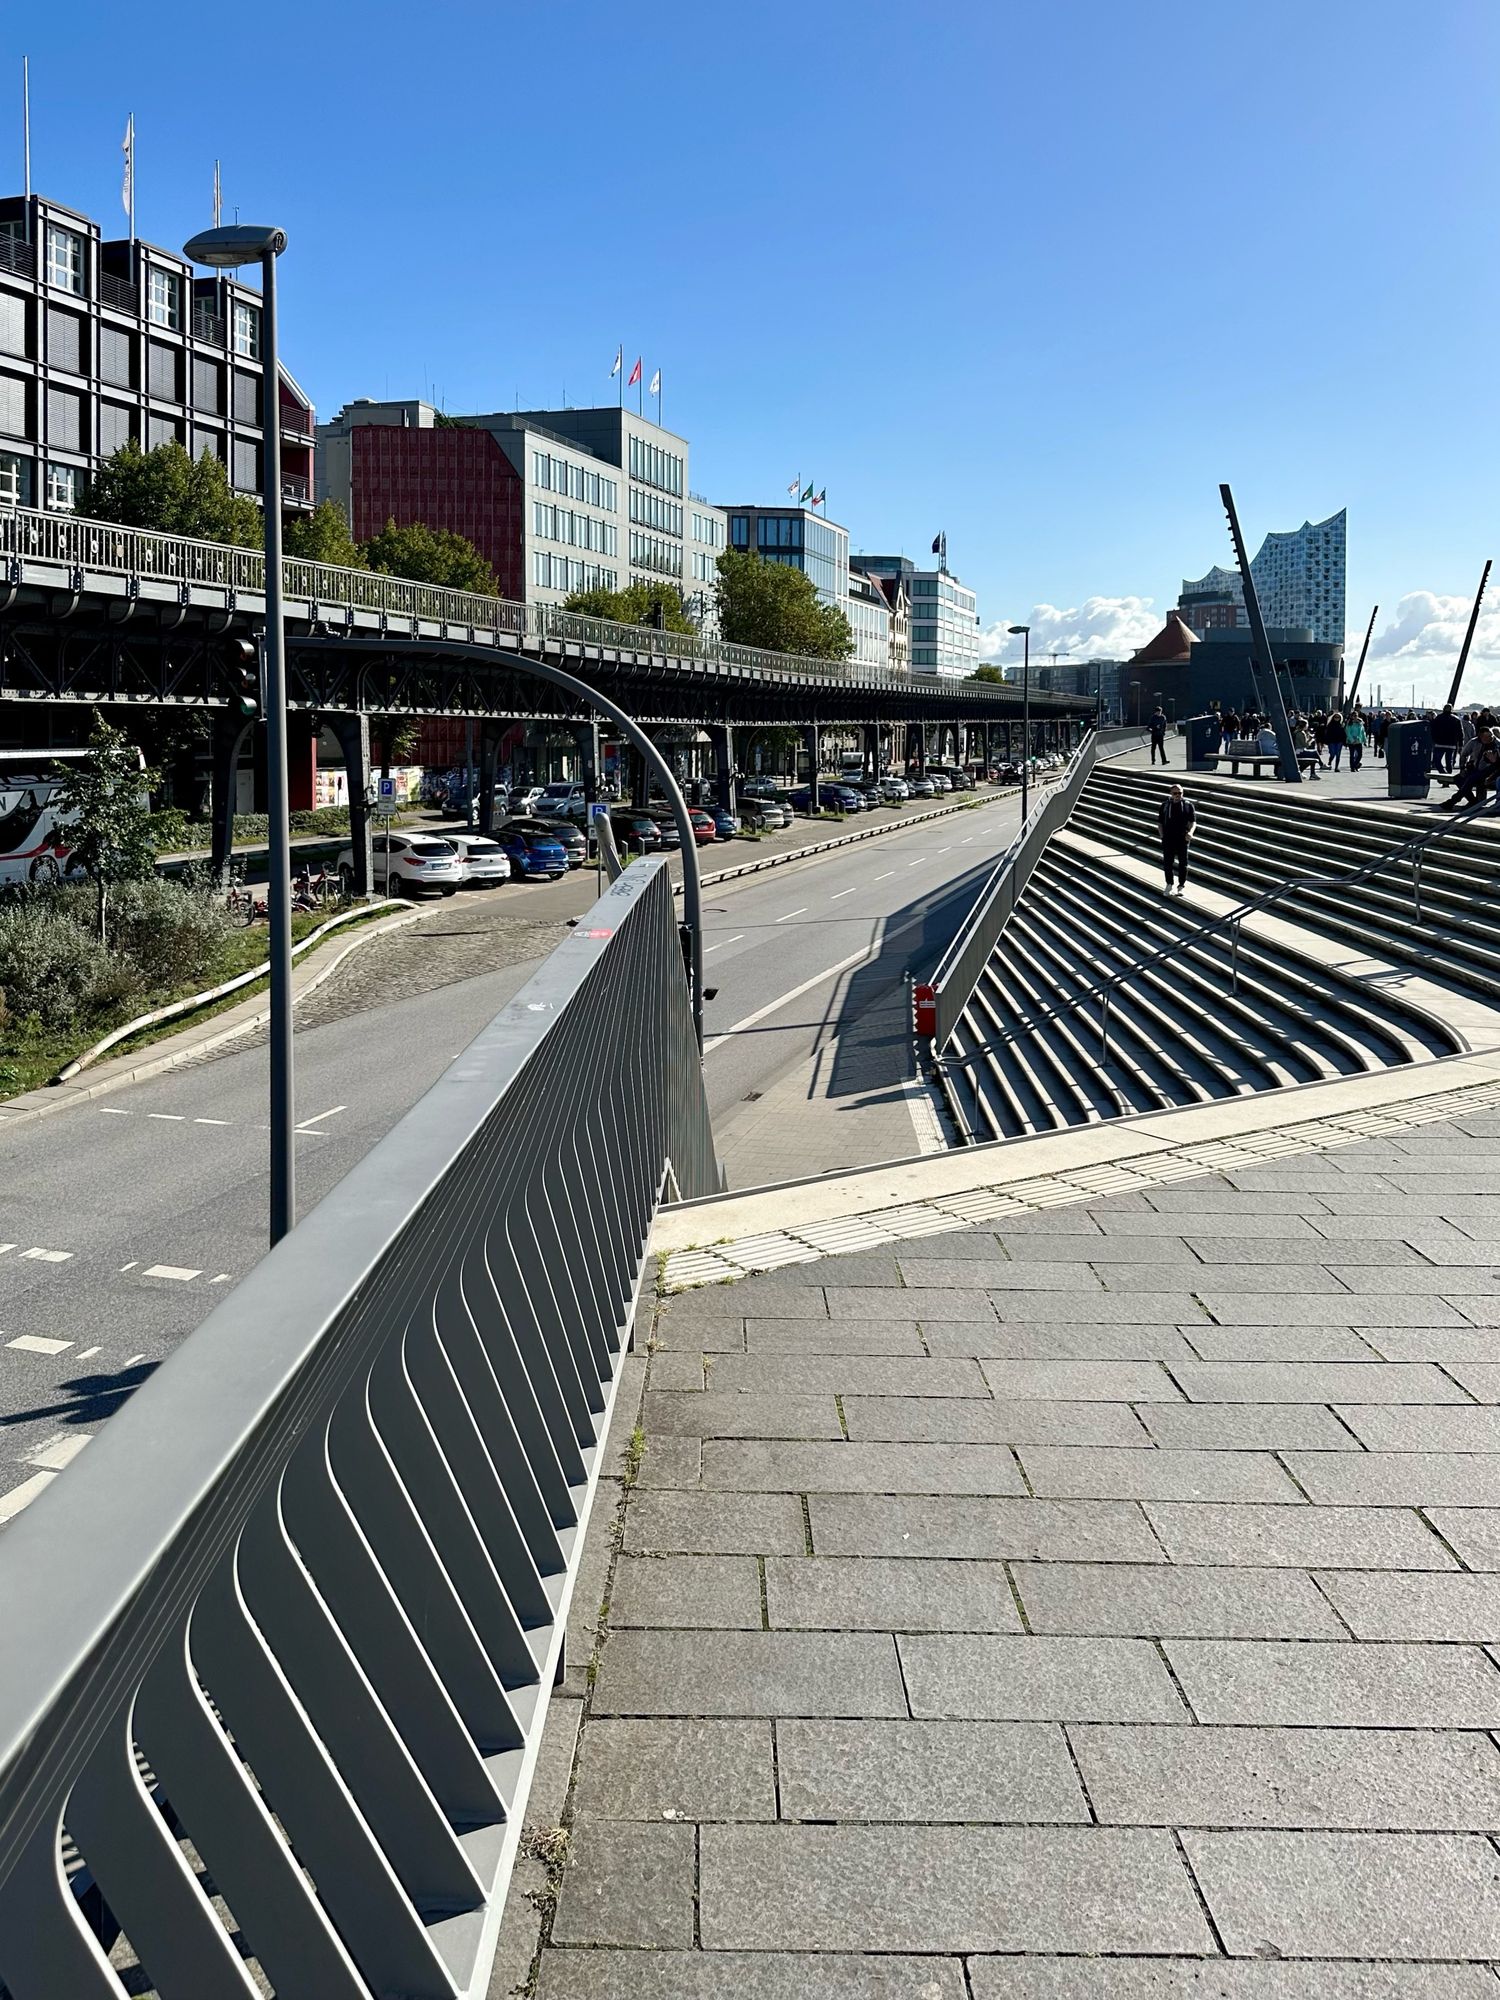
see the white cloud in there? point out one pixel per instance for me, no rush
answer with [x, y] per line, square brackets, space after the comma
[1107, 628]
[1420, 643]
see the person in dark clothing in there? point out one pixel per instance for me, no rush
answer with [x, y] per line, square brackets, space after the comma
[1479, 771]
[1229, 727]
[1335, 736]
[1382, 730]
[1158, 734]
[1447, 739]
[1177, 817]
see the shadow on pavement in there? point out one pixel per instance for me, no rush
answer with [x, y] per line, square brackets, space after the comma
[85, 1399]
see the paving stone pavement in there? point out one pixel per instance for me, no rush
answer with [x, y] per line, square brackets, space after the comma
[1105, 1611]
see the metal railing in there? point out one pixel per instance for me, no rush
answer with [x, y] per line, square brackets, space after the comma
[280, 1642]
[17, 254]
[209, 325]
[78, 544]
[1231, 921]
[122, 293]
[958, 970]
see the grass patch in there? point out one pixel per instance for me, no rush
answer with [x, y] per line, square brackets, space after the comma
[633, 1454]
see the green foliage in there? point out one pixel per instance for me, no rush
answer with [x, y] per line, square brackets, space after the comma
[637, 604]
[430, 555]
[323, 537]
[55, 974]
[104, 815]
[778, 607]
[991, 675]
[165, 489]
[168, 934]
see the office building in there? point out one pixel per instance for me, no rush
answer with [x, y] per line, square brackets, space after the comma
[944, 614]
[898, 602]
[556, 501]
[1190, 674]
[104, 341]
[708, 537]
[800, 538]
[1299, 579]
[869, 616]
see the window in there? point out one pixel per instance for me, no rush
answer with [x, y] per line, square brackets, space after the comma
[115, 355]
[247, 399]
[64, 263]
[162, 430]
[211, 442]
[65, 340]
[15, 480]
[162, 372]
[64, 420]
[12, 405]
[164, 298]
[208, 387]
[62, 488]
[662, 469]
[247, 330]
[12, 324]
[115, 428]
[246, 467]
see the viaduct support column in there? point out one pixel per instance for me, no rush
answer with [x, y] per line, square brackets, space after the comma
[490, 732]
[229, 733]
[871, 746]
[586, 736]
[353, 732]
[811, 736]
[721, 740]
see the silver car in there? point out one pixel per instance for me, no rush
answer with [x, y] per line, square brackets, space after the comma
[893, 790]
[486, 862]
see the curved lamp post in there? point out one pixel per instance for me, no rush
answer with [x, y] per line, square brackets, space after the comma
[227, 249]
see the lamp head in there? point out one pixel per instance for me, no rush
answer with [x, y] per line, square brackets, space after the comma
[243, 243]
[1018, 629]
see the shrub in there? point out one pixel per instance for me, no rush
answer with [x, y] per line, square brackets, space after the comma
[167, 934]
[54, 972]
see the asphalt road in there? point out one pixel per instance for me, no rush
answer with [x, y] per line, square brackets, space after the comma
[124, 1220]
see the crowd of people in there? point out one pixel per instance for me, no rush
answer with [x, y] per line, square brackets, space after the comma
[1465, 746]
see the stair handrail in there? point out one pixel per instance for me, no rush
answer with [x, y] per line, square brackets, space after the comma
[1231, 920]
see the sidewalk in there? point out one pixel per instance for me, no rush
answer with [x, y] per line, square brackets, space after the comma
[1100, 1603]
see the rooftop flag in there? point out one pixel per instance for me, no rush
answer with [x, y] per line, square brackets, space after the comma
[654, 386]
[635, 374]
[619, 361]
[796, 486]
[127, 184]
[807, 491]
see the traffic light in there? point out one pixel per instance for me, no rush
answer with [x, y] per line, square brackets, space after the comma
[244, 680]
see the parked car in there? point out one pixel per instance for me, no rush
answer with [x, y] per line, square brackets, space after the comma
[704, 830]
[562, 801]
[666, 828]
[636, 830]
[486, 862]
[921, 787]
[841, 798]
[802, 799]
[570, 838]
[894, 790]
[726, 824]
[533, 853]
[403, 863]
[765, 814]
[524, 798]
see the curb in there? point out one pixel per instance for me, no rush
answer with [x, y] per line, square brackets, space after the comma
[121, 1071]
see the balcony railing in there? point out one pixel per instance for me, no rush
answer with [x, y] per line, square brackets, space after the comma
[121, 293]
[17, 255]
[293, 486]
[208, 326]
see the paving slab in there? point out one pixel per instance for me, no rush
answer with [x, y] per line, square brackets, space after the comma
[1473, 1533]
[1236, 1217]
[671, 1461]
[714, 1524]
[1061, 1530]
[1081, 1381]
[1351, 1895]
[816, 1336]
[1213, 1979]
[934, 1303]
[846, 1375]
[677, 1770]
[681, 1371]
[1037, 1678]
[719, 1593]
[1099, 1307]
[1315, 1382]
[1343, 1685]
[1398, 1779]
[1155, 1600]
[1337, 1537]
[1081, 1472]
[1233, 1308]
[1277, 1276]
[1168, 1251]
[1382, 1249]
[708, 1413]
[1216, 1197]
[888, 1594]
[944, 1889]
[756, 1673]
[1452, 1608]
[1296, 1343]
[1398, 1478]
[1012, 1342]
[928, 1772]
[627, 1885]
[1243, 1427]
[785, 1466]
[1456, 1349]
[1001, 1274]
[764, 1975]
[956, 1421]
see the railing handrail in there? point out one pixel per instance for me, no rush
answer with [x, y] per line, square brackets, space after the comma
[76, 540]
[1230, 920]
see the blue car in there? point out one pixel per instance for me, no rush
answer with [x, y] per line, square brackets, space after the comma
[533, 853]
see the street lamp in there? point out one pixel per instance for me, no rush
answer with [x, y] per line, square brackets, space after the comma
[1024, 632]
[227, 249]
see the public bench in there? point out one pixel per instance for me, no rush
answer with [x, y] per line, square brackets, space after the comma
[1250, 754]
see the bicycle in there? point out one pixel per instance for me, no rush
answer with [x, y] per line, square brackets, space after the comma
[241, 901]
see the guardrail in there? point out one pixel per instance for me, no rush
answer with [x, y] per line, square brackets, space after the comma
[942, 1000]
[279, 1644]
[80, 545]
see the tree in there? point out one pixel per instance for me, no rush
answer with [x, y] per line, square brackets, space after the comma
[992, 675]
[651, 604]
[323, 537]
[166, 490]
[778, 607]
[430, 555]
[104, 813]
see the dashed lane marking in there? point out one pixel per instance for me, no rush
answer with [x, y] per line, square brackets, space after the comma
[722, 942]
[130, 1266]
[134, 1359]
[39, 1256]
[222, 1279]
[39, 1343]
[886, 876]
[6, 1246]
[178, 1271]
[306, 1124]
[86, 1353]
[57, 1452]
[114, 1111]
[918, 862]
[842, 893]
[210, 1121]
[169, 1117]
[792, 913]
[20, 1497]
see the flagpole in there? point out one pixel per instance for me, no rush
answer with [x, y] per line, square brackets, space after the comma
[620, 371]
[132, 178]
[26, 118]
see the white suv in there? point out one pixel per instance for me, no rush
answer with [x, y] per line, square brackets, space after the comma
[417, 861]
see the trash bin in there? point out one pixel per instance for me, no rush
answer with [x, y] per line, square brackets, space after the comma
[1408, 760]
[1204, 735]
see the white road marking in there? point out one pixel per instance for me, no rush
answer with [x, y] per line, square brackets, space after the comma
[113, 1111]
[210, 1121]
[829, 972]
[48, 1256]
[722, 942]
[84, 1353]
[304, 1123]
[134, 1359]
[842, 893]
[918, 862]
[178, 1271]
[169, 1117]
[6, 1246]
[38, 1343]
[792, 913]
[58, 1452]
[20, 1497]
[886, 876]
[967, 840]
[130, 1266]
[945, 850]
[222, 1279]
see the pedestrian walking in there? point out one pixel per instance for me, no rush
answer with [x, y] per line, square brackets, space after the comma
[1382, 730]
[1354, 736]
[1229, 728]
[1158, 733]
[1320, 735]
[1176, 816]
[1335, 735]
[1447, 739]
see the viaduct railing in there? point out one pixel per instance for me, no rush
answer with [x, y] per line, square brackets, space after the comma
[275, 1652]
[80, 547]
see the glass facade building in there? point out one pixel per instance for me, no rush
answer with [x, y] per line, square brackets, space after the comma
[800, 538]
[944, 615]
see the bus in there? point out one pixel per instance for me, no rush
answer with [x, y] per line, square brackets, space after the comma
[31, 854]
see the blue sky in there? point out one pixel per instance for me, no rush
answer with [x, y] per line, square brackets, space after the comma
[1039, 276]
